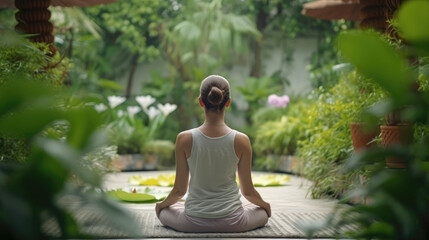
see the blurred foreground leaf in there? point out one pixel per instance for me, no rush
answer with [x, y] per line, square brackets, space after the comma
[20, 92]
[413, 18]
[30, 191]
[377, 60]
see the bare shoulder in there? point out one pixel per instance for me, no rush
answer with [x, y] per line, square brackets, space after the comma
[241, 144]
[184, 137]
[184, 143]
[241, 138]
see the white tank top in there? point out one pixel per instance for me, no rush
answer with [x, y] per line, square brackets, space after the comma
[213, 190]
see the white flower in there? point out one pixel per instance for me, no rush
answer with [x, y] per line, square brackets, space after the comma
[100, 107]
[132, 110]
[120, 113]
[145, 101]
[152, 112]
[167, 108]
[115, 100]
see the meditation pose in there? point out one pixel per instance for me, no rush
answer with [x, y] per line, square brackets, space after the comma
[212, 154]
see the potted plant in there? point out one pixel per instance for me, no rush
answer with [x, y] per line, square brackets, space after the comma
[362, 136]
[362, 132]
[394, 133]
[276, 143]
[133, 129]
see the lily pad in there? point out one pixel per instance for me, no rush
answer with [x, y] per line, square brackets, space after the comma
[270, 180]
[167, 180]
[121, 195]
[163, 180]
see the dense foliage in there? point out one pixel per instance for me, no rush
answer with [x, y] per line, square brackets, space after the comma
[192, 39]
[327, 140]
[398, 206]
[30, 61]
[62, 140]
[317, 130]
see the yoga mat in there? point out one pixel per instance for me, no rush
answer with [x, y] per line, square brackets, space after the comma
[280, 225]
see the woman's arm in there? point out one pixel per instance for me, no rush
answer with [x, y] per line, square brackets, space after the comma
[243, 150]
[183, 144]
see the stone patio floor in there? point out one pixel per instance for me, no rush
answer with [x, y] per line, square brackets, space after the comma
[292, 197]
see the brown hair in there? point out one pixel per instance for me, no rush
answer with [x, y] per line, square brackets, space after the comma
[214, 92]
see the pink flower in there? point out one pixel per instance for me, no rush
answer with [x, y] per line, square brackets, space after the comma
[278, 101]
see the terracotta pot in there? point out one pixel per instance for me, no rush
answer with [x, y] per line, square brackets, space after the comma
[396, 135]
[361, 138]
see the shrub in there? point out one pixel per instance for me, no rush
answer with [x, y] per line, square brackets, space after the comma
[327, 142]
[31, 61]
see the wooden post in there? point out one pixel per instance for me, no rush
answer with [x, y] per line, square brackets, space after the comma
[33, 18]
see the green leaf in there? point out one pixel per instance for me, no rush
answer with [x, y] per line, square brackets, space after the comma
[378, 61]
[413, 19]
[132, 197]
[12, 205]
[19, 91]
[29, 122]
[68, 157]
[188, 30]
[83, 123]
[106, 83]
[242, 24]
[379, 230]
[67, 223]
[221, 36]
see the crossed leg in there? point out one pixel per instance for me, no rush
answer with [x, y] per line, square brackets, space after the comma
[245, 218]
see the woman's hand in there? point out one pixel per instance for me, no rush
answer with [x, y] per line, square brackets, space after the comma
[267, 209]
[158, 208]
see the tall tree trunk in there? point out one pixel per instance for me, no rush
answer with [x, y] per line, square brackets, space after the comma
[131, 76]
[261, 23]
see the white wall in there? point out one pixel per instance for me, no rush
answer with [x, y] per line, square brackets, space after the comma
[274, 50]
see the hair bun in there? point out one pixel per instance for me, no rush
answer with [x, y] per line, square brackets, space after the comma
[215, 96]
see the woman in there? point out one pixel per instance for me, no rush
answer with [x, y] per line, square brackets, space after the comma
[212, 154]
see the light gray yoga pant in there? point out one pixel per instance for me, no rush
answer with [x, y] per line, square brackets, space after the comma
[243, 219]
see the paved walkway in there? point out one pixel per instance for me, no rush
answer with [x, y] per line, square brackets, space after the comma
[289, 198]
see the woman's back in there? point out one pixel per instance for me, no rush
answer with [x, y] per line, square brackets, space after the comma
[213, 190]
[212, 154]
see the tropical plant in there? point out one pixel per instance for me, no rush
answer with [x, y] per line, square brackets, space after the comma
[33, 192]
[398, 206]
[285, 17]
[31, 61]
[203, 38]
[256, 92]
[132, 128]
[326, 142]
[130, 34]
[80, 39]
[60, 136]
[278, 132]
